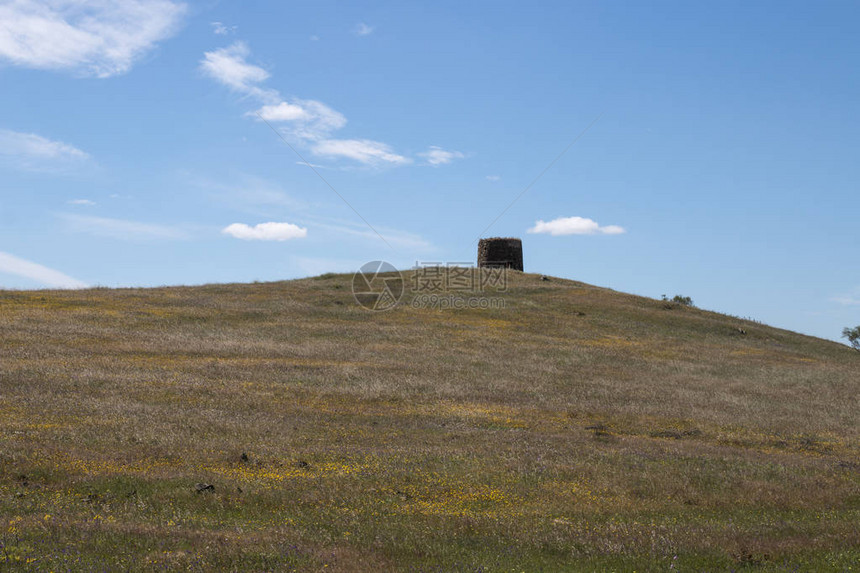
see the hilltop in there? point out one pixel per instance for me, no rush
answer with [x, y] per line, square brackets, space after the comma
[577, 428]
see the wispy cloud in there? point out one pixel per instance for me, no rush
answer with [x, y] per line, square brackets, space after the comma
[436, 156]
[265, 231]
[122, 229]
[310, 123]
[221, 29]
[82, 202]
[847, 300]
[249, 194]
[493, 178]
[574, 226]
[34, 152]
[36, 272]
[88, 37]
[314, 165]
[31, 145]
[230, 67]
[397, 238]
[362, 150]
[363, 29]
[306, 119]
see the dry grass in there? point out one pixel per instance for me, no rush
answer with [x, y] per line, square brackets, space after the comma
[576, 429]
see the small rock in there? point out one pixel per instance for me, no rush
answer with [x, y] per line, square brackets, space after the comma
[544, 278]
[670, 434]
[201, 487]
[742, 331]
[600, 430]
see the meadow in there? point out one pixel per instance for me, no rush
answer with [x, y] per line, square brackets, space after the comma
[281, 427]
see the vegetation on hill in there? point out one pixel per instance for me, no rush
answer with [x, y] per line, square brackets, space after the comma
[280, 426]
[853, 336]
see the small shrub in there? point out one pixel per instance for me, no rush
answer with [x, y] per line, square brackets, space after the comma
[853, 336]
[679, 299]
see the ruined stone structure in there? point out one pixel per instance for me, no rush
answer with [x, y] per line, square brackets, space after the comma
[501, 252]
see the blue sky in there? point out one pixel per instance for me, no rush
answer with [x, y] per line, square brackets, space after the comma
[722, 165]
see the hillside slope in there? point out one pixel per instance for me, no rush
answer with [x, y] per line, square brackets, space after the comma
[577, 428]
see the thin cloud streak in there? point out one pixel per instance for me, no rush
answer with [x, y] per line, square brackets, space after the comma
[437, 156]
[36, 153]
[394, 237]
[32, 146]
[846, 300]
[363, 29]
[122, 229]
[39, 273]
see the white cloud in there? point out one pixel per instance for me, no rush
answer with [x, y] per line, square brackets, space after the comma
[574, 226]
[221, 29]
[230, 67]
[308, 119]
[121, 228]
[98, 38]
[33, 271]
[84, 202]
[283, 112]
[436, 156]
[265, 231]
[362, 150]
[363, 29]
[493, 178]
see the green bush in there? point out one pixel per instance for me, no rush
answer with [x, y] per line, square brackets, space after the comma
[853, 336]
[679, 299]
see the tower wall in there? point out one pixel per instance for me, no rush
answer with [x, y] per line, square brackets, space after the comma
[501, 252]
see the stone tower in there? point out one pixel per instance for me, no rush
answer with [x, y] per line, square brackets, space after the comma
[501, 252]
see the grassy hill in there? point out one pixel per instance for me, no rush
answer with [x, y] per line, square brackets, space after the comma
[576, 429]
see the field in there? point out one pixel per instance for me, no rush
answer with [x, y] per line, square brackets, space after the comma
[577, 429]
